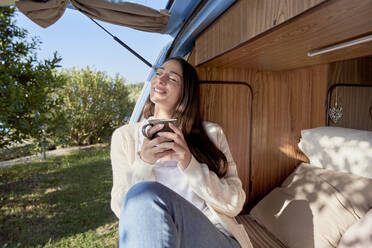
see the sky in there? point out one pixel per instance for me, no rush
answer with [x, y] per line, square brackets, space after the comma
[80, 43]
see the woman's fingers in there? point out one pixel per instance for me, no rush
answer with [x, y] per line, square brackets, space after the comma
[175, 129]
[164, 156]
[175, 137]
[165, 146]
[154, 129]
[156, 141]
[178, 132]
[168, 145]
[175, 151]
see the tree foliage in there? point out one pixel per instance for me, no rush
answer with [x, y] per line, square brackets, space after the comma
[28, 99]
[94, 105]
[37, 102]
[135, 90]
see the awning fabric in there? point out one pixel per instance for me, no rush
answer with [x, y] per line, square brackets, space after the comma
[47, 12]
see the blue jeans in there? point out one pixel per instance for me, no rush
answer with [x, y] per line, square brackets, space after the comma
[154, 216]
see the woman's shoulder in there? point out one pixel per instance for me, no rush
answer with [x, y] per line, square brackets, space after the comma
[213, 130]
[216, 134]
[211, 126]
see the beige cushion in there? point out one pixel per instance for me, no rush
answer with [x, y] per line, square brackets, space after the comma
[341, 149]
[314, 206]
[359, 235]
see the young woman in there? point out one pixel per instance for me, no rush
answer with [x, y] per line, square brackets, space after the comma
[180, 189]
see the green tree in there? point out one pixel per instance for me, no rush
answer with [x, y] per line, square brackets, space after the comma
[28, 99]
[135, 90]
[94, 105]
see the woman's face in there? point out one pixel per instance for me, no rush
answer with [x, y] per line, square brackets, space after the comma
[166, 85]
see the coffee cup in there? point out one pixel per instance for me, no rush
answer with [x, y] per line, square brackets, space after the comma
[153, 122]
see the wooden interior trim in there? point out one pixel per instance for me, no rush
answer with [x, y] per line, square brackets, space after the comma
[250, 131]
[285, 46]
[330, 91]
[355, 71]
[284, 103]
[259, 35]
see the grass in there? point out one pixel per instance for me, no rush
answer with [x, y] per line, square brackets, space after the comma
[16, 152]
[62, 202]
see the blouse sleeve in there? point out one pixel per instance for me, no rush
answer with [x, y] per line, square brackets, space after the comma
[225, 195]
[126, 171]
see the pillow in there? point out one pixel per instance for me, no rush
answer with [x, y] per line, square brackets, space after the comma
[359, 235]
[314, 206]
[340, 149]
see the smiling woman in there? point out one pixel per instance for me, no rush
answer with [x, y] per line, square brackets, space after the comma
[185, 179]
[196, 177]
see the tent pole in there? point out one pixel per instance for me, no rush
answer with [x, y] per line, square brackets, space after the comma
[124, 45]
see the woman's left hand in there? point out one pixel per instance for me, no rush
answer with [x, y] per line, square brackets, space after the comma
[177, 143]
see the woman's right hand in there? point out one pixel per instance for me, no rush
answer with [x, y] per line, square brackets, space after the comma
[150, 151]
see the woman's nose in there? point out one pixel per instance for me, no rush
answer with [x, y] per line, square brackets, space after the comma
[163, 78]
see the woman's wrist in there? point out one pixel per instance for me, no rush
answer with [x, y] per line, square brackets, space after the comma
[139, 155]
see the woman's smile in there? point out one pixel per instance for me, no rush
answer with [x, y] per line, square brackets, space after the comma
[160, 90]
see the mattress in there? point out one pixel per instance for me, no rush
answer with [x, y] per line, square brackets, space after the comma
[259, 236]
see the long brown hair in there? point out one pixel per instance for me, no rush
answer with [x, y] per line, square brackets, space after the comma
[189, 121]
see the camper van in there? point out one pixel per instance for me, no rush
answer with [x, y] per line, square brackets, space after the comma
[290, 83]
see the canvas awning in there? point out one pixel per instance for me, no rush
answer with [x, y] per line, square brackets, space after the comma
[47, 12]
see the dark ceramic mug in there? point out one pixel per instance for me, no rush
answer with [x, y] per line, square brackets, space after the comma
[154, 122]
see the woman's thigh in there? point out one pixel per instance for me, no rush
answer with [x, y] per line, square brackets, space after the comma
[168, 219]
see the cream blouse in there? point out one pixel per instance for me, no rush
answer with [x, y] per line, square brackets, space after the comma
[224, 196]
[170, 175]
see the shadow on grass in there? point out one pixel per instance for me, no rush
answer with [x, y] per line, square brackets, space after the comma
[48, 201]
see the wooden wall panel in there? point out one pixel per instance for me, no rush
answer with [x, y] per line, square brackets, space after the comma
[286, 47]
[356, 102]
[357, 107]
[283, 104]
[216, 102]
[351, 71]
[245, 20]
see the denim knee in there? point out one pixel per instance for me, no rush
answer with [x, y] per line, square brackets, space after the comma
[145, 192]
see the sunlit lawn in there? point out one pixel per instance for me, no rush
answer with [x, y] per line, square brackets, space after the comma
[63, 202]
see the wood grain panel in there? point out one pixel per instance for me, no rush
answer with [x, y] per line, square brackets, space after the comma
[283, 104]
[357, 105]
[245, 20]
[286, 46]
[351, 71]
[356, 102]
[229, 105]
